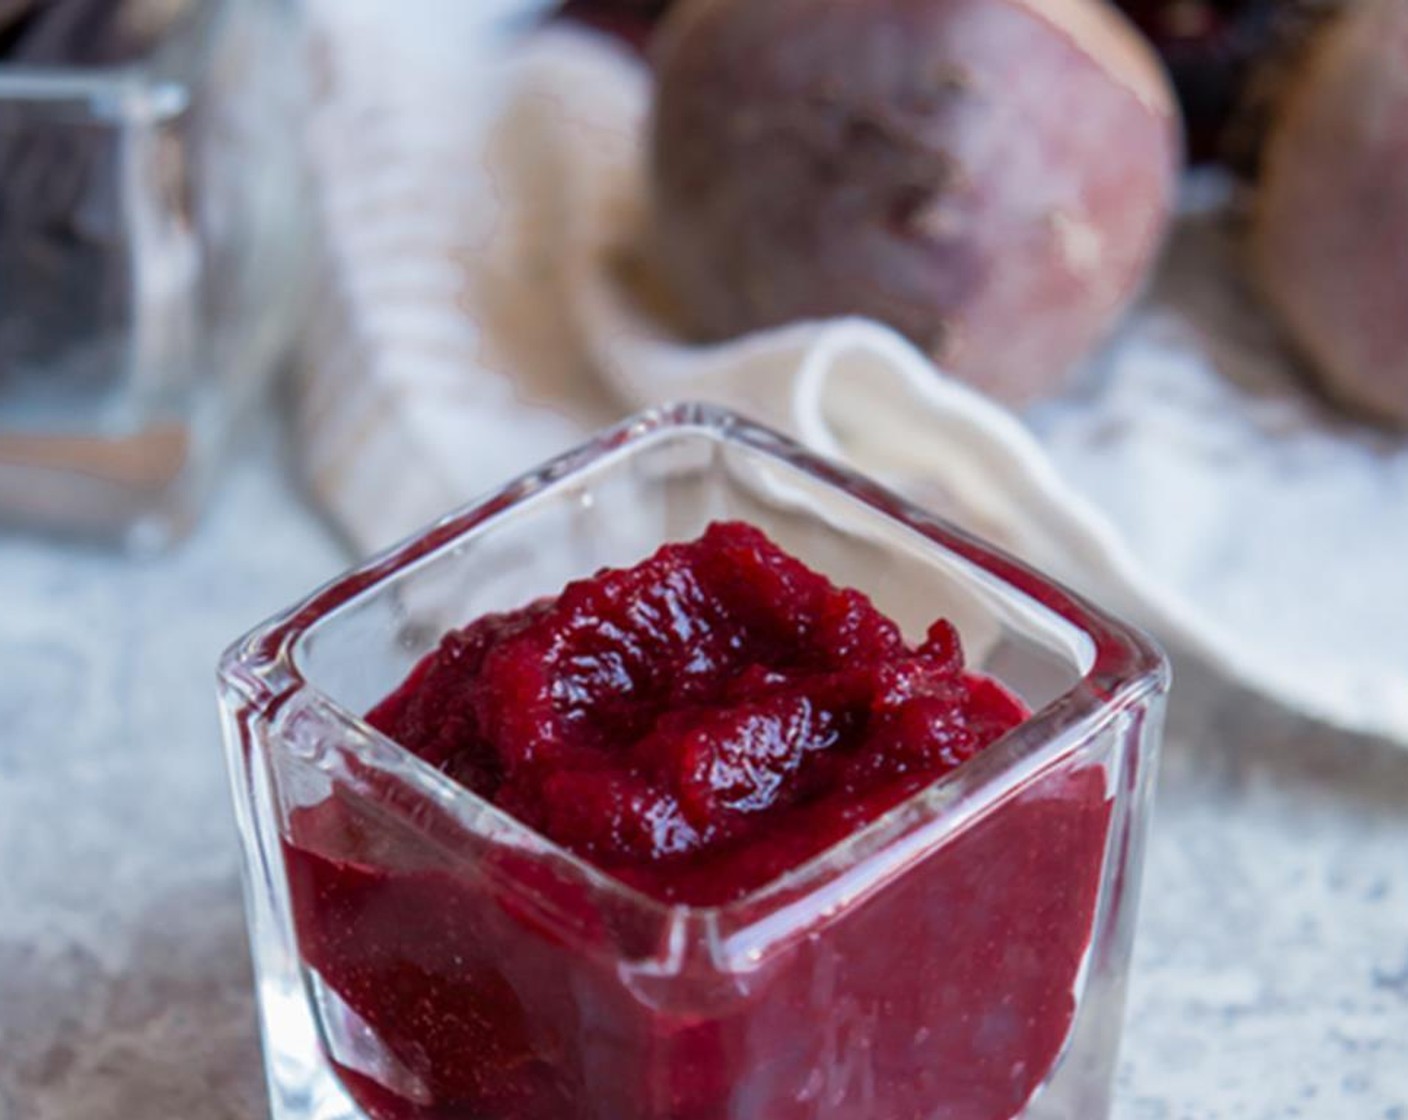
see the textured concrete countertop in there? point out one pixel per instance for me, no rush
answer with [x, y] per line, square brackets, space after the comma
[1271, 977]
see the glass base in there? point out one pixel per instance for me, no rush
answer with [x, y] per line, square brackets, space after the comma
[135, 490]
[303, 1085]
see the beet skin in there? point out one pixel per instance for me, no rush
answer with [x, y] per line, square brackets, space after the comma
[1329, 236]
[990, 177]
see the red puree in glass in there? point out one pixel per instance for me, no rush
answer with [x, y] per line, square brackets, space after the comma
[697, 725]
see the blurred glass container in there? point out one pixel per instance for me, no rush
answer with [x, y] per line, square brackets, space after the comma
[151, 217]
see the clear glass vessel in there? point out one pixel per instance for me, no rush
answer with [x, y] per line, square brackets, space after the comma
[151, 213]
[420, 954]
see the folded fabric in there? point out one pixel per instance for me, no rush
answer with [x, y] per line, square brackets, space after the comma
[486, 301]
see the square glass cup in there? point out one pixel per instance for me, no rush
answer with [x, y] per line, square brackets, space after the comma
[420, 954]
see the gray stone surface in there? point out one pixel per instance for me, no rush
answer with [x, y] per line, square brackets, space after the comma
[124, 977]
[1272, 964]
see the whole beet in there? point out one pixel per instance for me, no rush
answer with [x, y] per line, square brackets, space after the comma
[1329, 232]
[990, 177]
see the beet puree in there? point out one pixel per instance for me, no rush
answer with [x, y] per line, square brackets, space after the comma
[697, 725]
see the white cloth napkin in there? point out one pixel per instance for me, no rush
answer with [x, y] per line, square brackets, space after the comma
[481, 209]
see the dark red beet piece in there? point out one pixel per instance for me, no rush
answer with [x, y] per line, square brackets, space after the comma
[697, 702]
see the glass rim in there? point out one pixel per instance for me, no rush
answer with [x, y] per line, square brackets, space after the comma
[149, 86]
[261, 671]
